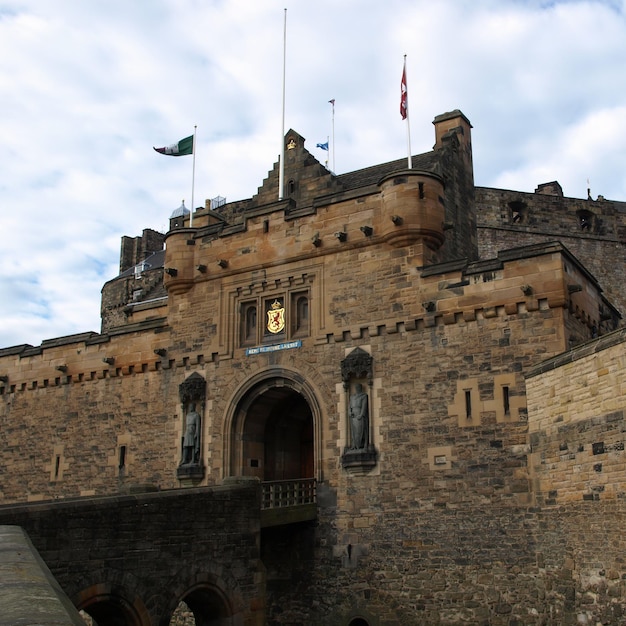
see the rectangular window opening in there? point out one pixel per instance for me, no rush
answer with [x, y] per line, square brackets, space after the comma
[506, 400]
[122, 463]
[468, 404]
[57, 466]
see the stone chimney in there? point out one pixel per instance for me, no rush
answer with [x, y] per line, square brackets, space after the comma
[136, 249]
[453, 121]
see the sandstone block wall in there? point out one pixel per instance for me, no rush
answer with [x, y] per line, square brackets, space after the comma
[476, 564]
[449, 352]
[93, 428]
[577, 406]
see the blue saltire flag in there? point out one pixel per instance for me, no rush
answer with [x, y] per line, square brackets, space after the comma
[323, 146]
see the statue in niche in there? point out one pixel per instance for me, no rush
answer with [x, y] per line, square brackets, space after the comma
[359, 419]
[191, 439]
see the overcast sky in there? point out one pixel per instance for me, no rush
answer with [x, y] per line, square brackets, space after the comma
[88, 87]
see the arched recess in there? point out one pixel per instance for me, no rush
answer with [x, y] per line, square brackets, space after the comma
[109, 605]
[209, 606]
[272, 428]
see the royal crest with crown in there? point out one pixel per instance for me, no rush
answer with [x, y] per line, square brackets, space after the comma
[276, 317]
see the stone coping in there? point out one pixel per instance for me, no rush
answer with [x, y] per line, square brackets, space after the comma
[581, 351]
[29, 594]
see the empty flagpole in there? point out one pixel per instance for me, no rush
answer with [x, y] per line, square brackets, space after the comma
[332, 102]
[193, 176]
[404, 111]
[281, 169]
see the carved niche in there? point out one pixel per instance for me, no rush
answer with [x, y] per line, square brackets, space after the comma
[192, 394]
[359, 455]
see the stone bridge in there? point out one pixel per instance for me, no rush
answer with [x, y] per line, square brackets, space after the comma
[130, 560]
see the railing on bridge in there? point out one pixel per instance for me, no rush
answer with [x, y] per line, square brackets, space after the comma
[288, 501]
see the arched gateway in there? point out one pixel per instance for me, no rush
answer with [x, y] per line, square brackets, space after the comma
[273, 428]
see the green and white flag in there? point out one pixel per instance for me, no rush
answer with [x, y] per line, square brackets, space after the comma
[184, 146]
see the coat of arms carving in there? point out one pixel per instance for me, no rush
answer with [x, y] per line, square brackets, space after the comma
[276, 317]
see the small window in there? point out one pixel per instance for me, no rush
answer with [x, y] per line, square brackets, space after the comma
[585, 219]
[122, 459]
[468, 404]
[517, 212]
[140, 268]
[420, 187]
[506, 400]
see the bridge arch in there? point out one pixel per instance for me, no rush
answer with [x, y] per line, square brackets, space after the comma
[272, 427]
[210, 606]
[112, 605]
[210, 592]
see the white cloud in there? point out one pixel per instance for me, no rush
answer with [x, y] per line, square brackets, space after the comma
[89, 87]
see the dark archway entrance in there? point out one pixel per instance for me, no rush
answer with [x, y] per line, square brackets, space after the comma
[206, 606]
[288, 439]
[273, 433]
[277, 436]
[108, 607]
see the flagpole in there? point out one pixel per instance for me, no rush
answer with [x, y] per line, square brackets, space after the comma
[332, 102]
[281, 169]
[328, 159]
[193, 176]
[405, 96]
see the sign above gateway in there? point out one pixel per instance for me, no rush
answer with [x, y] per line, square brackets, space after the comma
[288, 345]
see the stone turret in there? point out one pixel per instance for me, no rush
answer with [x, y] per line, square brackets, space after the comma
[413, 212]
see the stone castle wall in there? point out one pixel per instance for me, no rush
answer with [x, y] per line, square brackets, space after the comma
[578, 404]
[63, 431]
[102, 427]
[462, 537]
[477, 564]
[456, 514]
[593, 231]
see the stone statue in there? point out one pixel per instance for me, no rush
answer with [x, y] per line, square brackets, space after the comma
[359, 419]
[191, 440]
